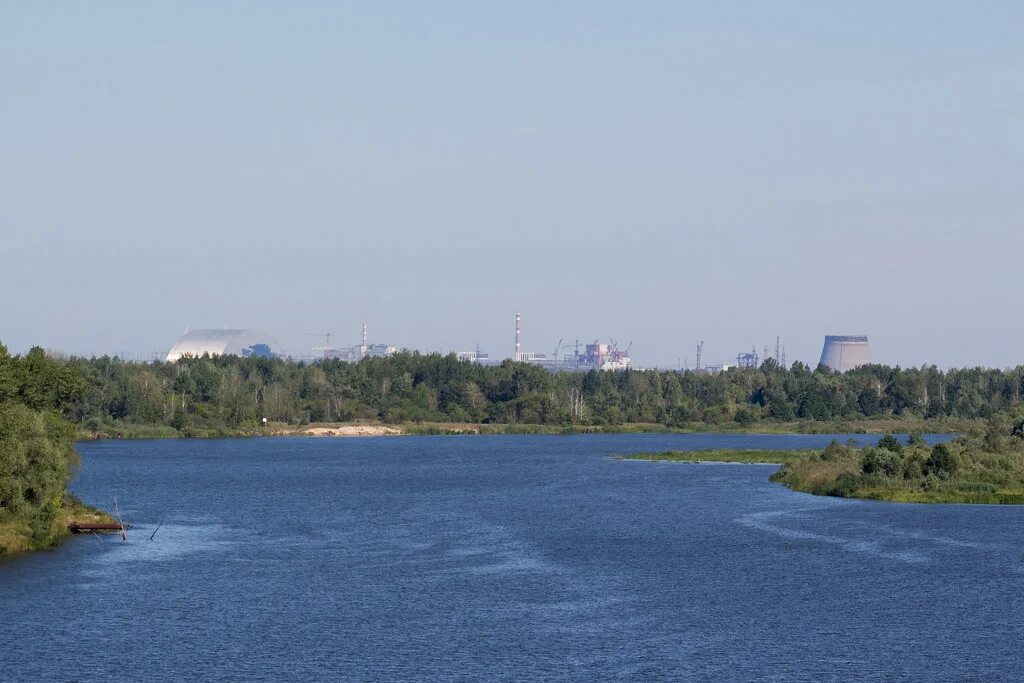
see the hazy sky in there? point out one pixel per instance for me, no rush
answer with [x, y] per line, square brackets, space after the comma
[655, 172]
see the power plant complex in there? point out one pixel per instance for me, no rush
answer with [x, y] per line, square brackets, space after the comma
[595, 356]
[839, 352]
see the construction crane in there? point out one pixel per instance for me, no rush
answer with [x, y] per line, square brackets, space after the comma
[571, 345]
[327, 341]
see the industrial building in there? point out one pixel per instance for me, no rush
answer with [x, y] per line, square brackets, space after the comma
[596, 356]
[845, 352]
[600, 356]
[225, 343]
[354, 354]
[748, 360]
[474, 357]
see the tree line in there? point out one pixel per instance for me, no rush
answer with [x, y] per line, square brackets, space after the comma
[230, 392]
[37, 454]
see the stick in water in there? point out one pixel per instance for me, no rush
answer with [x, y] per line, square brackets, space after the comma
[124, 536]
[156, 530]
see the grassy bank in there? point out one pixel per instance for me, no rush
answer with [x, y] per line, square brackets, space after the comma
[24, 533]
[129, 430]
[748, 456]
[987, 469]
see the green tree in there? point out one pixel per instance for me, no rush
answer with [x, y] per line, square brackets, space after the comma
[942, 461]
[37, 459]
[890, 443]
[881, 461]
[996, 431]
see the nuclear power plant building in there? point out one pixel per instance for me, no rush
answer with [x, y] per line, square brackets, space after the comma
[845, 352]
[225, 343]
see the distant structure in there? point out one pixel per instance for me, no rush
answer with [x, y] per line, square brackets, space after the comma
[474, 357]
[519, 355]
[715, 369]
[748, 360]
[381, 350]
[354, 354]
[225, 343]
[780, 353]
[596, 356]
[845, 352]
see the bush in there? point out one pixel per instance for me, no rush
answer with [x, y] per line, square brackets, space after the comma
[745, 417]
[913, 466]
[845, 485]
[836, 451]
[890, 443]
[942, 462]
[881, 461]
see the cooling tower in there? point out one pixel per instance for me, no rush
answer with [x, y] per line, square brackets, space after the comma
[842, 352]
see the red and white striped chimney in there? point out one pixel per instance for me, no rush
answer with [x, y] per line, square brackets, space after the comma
[516, 357]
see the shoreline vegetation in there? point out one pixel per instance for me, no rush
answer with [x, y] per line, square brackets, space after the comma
[24, 533]
[743, 456]
[985, 468]
[879, 427]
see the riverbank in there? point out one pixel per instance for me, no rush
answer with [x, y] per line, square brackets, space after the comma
[126, 430]
[20, 534]
[965, 472]
[957, 473]
[743, 456]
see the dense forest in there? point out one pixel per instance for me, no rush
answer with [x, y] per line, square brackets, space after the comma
[230, 394]
[37, 454]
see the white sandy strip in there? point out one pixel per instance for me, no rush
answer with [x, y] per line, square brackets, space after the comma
[352, 430]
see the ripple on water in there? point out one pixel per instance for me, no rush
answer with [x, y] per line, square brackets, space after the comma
[172, 542]
[759, 521]
[938, 540]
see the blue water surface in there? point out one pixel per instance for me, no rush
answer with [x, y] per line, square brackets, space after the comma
[506, 558]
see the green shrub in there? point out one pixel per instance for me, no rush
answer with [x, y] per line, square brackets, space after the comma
[881, 461]
[890, 443]
[942, 462]
[845, 485]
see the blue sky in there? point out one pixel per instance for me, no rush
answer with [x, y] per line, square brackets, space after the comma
[653, 172]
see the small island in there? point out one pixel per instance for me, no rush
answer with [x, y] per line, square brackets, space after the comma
[986, 468]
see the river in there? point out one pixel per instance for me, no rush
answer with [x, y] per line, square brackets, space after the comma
[505, 558]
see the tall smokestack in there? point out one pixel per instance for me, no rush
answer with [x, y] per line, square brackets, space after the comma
[364, 349]
[516, 357]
